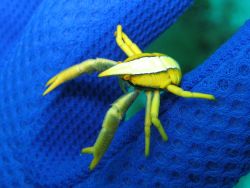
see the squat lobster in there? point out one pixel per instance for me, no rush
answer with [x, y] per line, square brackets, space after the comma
[149, 72]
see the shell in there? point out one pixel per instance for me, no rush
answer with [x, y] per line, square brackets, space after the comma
[143, 65]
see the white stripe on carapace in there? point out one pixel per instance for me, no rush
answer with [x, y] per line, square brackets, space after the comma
[143, 65]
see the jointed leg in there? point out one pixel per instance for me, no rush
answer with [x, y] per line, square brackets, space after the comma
[187, 94]
[87, 66]
[109, 127]
[125, 43]
[148, 122]
[154, 115]
[130, 44]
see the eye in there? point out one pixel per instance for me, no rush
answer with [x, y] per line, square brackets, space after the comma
[126, 77]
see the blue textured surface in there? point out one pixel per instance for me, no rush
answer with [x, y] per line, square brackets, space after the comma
[40, 137]
[14, 16]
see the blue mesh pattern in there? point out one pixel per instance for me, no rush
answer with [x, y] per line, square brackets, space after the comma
[14, 16]
[41, 137]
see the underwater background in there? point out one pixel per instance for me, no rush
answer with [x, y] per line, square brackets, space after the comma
[41, 138]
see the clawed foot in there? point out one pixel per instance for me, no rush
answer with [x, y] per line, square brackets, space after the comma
[61, 77]
[96, 159]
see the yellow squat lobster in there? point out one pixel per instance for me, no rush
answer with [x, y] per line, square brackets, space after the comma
[149, 72]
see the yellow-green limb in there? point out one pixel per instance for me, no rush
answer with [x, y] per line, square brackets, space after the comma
[125, 43]
[109, 126]
[152, 113]
[72, 72]
[155, 113]
[187, 94]
[147, 125]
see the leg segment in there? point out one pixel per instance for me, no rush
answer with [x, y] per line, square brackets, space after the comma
[154, 115]
[109, 127]
[148, 122]
[130, 44]
[125, 43]
[70, 73]
[187, 94]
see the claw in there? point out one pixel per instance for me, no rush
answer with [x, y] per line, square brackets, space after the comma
[109, 127]
[70, 73]
[60, 78]
[88, 150]
[51, 80]
[95, 160]
[53, 85]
